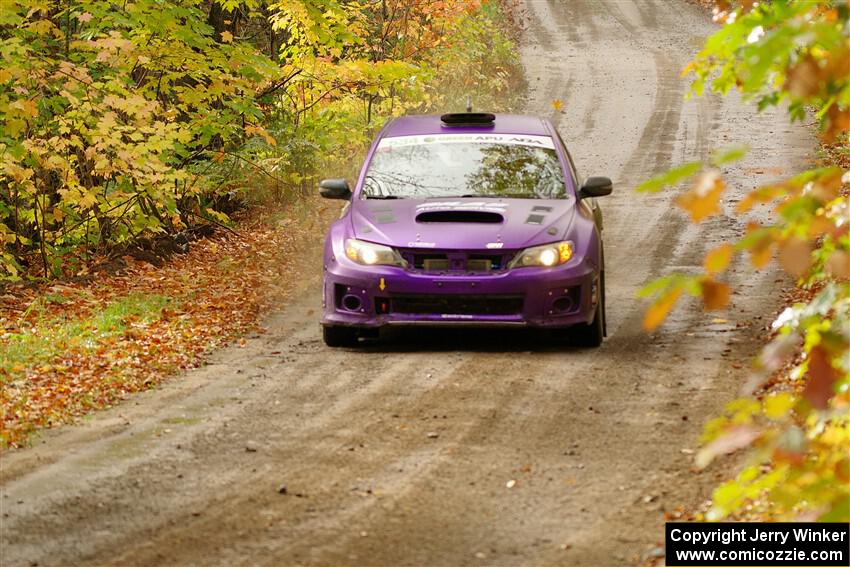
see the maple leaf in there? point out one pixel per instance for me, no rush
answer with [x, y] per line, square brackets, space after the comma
[703, 200]
[659, 310]
[226, 37]
[557, 104]
[795, 256]
[822, 375]
[715, 295]
[717, 260]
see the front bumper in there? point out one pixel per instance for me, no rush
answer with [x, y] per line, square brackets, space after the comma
[377, 296]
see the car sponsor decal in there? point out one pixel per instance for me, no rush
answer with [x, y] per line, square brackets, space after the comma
[464, 205]
[504, 139]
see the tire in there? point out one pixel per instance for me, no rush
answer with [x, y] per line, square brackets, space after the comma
[339, 336]
[592, 334]
[604, 305]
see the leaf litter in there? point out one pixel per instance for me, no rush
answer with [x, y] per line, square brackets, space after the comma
[67, 349]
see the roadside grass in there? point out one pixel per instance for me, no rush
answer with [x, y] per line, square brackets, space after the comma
[50, 336]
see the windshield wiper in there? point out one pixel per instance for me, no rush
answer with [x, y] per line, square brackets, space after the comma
[383, 197]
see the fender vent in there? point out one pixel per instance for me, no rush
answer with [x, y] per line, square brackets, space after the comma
[486, 217]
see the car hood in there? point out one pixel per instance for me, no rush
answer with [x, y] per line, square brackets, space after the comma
[465, 223]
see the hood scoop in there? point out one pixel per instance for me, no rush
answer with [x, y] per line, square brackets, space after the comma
[455, 216]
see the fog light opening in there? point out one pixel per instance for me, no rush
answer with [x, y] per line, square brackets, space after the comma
[351, 302]
[562, 304]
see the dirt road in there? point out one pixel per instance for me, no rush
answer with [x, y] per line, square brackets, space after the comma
[403, 453]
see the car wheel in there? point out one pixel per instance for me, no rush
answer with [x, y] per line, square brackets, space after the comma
[339, 336]
[592, 334]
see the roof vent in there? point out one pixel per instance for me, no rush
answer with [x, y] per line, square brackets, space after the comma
[468, 119]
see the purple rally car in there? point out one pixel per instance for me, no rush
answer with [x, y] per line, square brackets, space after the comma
[466, 219]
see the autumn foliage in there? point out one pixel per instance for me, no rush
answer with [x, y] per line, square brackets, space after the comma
[140, 120]
[70, 348]
[796, 424]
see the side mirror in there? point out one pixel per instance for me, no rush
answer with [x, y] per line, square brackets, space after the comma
[595, 187]
[334, 189]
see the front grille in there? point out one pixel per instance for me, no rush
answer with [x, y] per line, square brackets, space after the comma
[457, 260]
[457, 304]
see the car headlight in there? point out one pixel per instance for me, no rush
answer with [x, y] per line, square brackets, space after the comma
[544, 256]
[370, 254]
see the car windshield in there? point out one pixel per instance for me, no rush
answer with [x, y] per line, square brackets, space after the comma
[465, 165]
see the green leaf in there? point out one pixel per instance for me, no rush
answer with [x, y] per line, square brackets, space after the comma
[728, 155]
[671, 177]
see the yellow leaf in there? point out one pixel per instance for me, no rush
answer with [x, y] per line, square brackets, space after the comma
[15, 126]
[703, 200]
[715, 295]
[659, 310]
[27, 107]
[253, 130]
[557, 104]
[718, 259]
[87, 199]
[226, 37]
[778, 405]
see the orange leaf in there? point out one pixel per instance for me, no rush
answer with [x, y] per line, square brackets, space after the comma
[826, 187]
[804, 79]
[821, 376]
[795, 256]
[718, 259]
[838, 265]
[761, 195]
[659, 310]
[703, 200]
[715, 295]
[557, 104]
[838, 123]
[762, 249]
